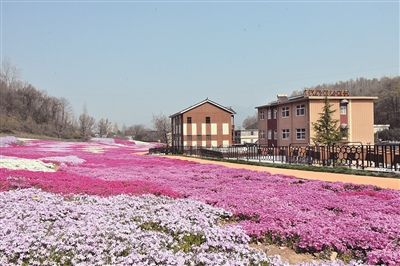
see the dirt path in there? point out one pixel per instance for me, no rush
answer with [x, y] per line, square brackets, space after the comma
[382, 182]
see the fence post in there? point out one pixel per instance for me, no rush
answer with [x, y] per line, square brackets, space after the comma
[273, 153]
[362, 156]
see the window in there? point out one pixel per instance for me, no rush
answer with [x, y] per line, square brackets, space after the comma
[300, 133]
[343, 109]
[300, 109]
[189, 138]
[285, 111]
[269, 134]
[275, 111]
[208, 137]
[208, 120]
[189, 120]
[198, 137]
[344, 129]
[285, 133]
[262, 134]
[252, 133]
[269, 113]
[261, 115]
[275, 134]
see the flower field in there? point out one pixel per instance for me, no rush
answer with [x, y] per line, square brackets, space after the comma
[102, 203]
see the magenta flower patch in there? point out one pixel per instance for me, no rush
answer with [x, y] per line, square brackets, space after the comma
[312, 216]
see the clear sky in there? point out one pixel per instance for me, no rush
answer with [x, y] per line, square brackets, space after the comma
[129, 59]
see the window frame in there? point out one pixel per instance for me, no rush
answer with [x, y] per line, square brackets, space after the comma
[285, 134]
[301, 109]
[262, 117]
[343, 109]
[285, 112]
[208, 120]
[300, 133]
[262, 134]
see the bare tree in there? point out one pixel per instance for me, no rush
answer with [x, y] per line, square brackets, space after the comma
[138, 132]
[162, 125]
[250, 122]
[86, 124]
[9, 73]
[65, 119]
[114, 130]
[103, 127]
[123, 130]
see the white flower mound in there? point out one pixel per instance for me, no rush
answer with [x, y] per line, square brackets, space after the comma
[25, 164]
[64, 159]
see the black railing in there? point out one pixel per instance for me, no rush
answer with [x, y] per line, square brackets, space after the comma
[384, 157]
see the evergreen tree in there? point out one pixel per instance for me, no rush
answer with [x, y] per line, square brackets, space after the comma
[327, 130]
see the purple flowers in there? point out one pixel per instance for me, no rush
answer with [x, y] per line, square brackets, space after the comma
[5, 141]
[356, 221]
[39, 228]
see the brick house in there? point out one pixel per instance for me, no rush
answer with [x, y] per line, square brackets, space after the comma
[288, 120]
[205, 124]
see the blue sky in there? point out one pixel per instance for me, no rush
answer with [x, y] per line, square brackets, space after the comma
[129, 59]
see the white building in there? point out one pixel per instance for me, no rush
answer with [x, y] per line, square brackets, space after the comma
[246, 136]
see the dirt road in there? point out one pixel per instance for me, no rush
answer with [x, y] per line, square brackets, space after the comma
[382, 182]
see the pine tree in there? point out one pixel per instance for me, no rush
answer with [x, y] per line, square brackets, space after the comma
[327, 129]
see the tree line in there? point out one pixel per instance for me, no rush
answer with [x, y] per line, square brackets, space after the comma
[23, 108]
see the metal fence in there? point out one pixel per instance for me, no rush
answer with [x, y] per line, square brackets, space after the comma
[383, 157]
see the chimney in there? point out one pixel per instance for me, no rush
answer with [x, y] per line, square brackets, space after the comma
[282, 98]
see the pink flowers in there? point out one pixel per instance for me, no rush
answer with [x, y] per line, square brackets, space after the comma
[313, 216]
[66, 184]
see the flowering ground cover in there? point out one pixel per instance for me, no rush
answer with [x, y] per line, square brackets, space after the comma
[358, 222]
[118, 230]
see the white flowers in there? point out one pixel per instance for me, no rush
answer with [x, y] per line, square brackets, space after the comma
[26, 164]
[39, 228]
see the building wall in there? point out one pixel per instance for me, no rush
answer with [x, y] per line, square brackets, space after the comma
[177, 130]
[359, 118]
[361, 121]
[316, 108]
[299, 122]
[285, 123]
[262, 125]
[220, 128]
[272, 125]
